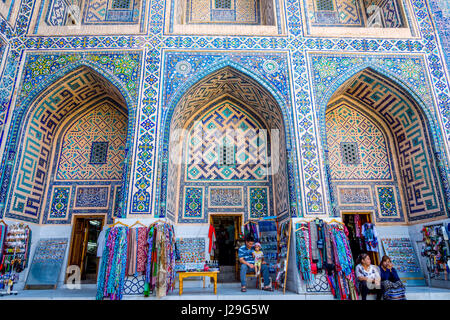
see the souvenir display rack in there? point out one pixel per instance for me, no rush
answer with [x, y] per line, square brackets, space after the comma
[275, 240]
[284, 240]
[159, 260]
[16, 250]
[323, 248]
[436, 251]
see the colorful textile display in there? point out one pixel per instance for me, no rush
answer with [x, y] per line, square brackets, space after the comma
[252, 229]
[112, 271]
[436, 250]
[137, 251]
[325, 247]
[370, 237]
[160, 267]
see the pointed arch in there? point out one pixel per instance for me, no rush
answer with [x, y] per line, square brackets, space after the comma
[224, 77]
[71, 90]
[421, 176]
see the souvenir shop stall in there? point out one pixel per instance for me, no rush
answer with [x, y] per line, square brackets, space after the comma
[436, 251]
[362, 236]
[274, 237]
[15, 243]
[136, 250]
[323, 250]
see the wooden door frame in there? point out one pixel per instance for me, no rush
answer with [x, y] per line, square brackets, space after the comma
[103, 217]
[236, 232]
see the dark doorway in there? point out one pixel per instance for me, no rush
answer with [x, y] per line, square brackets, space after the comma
[227, 228]
[357, 244]
[83, 250]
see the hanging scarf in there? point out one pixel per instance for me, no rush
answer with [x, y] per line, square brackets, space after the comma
[142, 249]
[131, 256]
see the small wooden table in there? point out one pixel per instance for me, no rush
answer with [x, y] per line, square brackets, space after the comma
[185, 274]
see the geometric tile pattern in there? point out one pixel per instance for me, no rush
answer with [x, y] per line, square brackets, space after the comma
[258, 202]
[42, 121]
[219, 125]
[111, 12]
[84, 86]
[92, 197]
[210, 11]
[209, 87]
[386, 200]
[410, 129]
[57, 12]
[345, 125]
[193, 202]
[78, 161]
[60, 202]
[337, 13]
[306, 99]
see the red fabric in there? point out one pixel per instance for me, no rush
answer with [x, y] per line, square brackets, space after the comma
[211, 233]
[141, 249]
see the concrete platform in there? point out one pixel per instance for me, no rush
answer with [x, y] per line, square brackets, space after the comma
[226, 291]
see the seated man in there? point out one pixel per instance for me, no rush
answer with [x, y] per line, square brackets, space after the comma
[247, 265]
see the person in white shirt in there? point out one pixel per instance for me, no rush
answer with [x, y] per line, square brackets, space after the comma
[368, 276]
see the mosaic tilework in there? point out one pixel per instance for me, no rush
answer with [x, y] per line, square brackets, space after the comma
[60, 202]
[344, 125]
[258, 202]
[111, 11]
[57, 12]
[213, 128]
[40, 72]
[343, 13]
[390, 11]
[236, 81]
[408, 70]
[441, 15]
[352, 196]
[104, 125]
[305, 98]
[193, 202]
[134, 286]
[410, 129]
[226, 197]
[92, 197]
[37, 143]
[387, 202]
[239, 11]
[192, 250]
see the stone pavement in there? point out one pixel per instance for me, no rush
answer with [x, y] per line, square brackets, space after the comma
[226, 291]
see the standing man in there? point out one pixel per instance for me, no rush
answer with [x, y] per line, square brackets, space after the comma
[247, 261]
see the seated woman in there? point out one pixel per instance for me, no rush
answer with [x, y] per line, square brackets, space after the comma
[391, 285]
[368, 276]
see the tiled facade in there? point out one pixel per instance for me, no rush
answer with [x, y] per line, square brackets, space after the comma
[288, 78]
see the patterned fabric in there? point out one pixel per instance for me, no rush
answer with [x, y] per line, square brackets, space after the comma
[142, 249]
[303, 260]
[111, 277]
[393, 290]
[246, 253]
[370, 237]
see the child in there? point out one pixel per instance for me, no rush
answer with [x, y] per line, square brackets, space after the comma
[259, 256]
